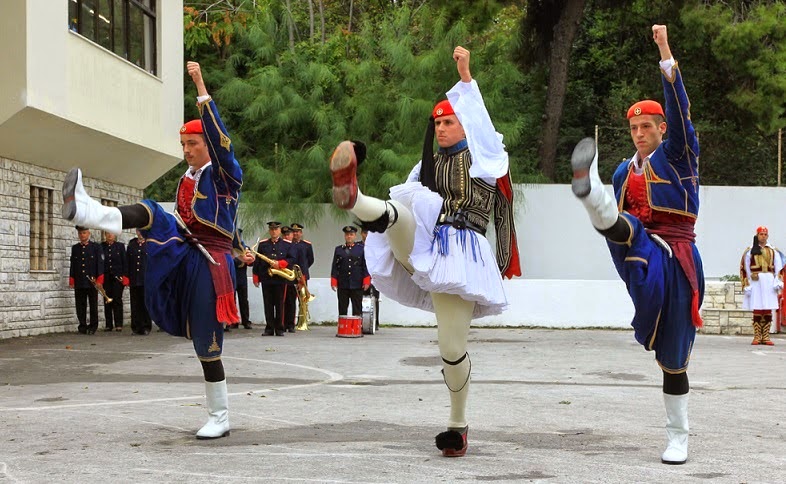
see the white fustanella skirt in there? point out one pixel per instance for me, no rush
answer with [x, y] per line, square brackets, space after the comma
[445, 259]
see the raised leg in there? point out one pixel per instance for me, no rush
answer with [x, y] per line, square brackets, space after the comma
[587, 187]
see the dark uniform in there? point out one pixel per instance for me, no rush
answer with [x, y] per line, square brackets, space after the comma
[87, 260]
[115, 279]
[273, 286]
[348, 275]
[306, 257]
[308, 251]
[136, 257]
[241, 288]
[290, 290]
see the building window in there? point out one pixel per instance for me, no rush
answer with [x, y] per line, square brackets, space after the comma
[126, 27]
[41, 241]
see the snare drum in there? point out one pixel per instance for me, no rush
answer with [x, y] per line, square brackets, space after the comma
[349, 327]
[369, 314]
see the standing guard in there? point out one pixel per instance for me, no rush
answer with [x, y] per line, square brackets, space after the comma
[136, 257]
[115, 279]
[86, 276]
[349, 276]
[271, 271]
[760, 272]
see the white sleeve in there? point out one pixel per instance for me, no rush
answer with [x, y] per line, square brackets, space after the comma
[414, 175]
[489, 158]
[747, 266]
[668, 66]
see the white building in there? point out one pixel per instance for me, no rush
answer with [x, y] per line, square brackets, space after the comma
[91, 83]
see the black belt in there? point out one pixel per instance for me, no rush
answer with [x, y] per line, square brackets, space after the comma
[459, 221]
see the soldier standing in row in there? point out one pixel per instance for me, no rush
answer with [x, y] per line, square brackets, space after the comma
[290, 288]
[270, 276]
[241, 288]
[349, 276]
[136, 257]
[115, 279]
[305, 261]
[87, 263]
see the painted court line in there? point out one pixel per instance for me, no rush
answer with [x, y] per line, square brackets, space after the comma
[332, 377]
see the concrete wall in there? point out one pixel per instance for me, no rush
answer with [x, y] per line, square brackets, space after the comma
[569, 280]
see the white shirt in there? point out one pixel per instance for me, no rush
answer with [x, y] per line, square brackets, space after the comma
[489, 158]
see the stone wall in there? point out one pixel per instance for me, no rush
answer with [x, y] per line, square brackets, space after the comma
[35, 302]
[722, 309]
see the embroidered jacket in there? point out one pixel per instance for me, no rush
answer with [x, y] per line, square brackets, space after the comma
[672, 174]
[215, 199]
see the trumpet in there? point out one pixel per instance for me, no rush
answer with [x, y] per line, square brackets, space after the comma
[304, 296]
[100, 289]
[287, 274]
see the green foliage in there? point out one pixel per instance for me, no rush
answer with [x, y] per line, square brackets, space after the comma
[749, 45]
[286, 110]
[287, 106]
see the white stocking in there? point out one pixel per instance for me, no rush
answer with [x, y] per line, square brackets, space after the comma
[453, 318]
[401, 232]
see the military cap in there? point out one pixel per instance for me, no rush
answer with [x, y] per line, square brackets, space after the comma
[645, 107]
[79, 228]
[296, 227]
[443, 108]
[274, 225]
[762, 230]
[350, 228]
[285, 229]
[192, 127]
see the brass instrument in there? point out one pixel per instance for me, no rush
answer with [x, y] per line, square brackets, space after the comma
[287, 274]
[100, 289]
[305, 297]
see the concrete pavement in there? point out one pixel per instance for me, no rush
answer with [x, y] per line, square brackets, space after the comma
[544, 406]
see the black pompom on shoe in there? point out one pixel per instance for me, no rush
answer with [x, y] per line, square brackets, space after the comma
[453, 442]
[360, 150]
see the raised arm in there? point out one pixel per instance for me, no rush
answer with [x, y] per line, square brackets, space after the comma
[681, 146]
[218, 142]
[489, 158]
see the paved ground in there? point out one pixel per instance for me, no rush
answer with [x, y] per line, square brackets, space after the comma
[545, 406]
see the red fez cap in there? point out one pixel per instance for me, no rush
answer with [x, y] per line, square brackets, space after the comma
[762, 230]
[443, 108]
[192, 127]
[645, 107]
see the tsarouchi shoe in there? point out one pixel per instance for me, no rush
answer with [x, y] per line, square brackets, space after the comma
[343, 169]
[453, 442]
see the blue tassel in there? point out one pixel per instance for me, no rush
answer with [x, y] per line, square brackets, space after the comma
[442, 241]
